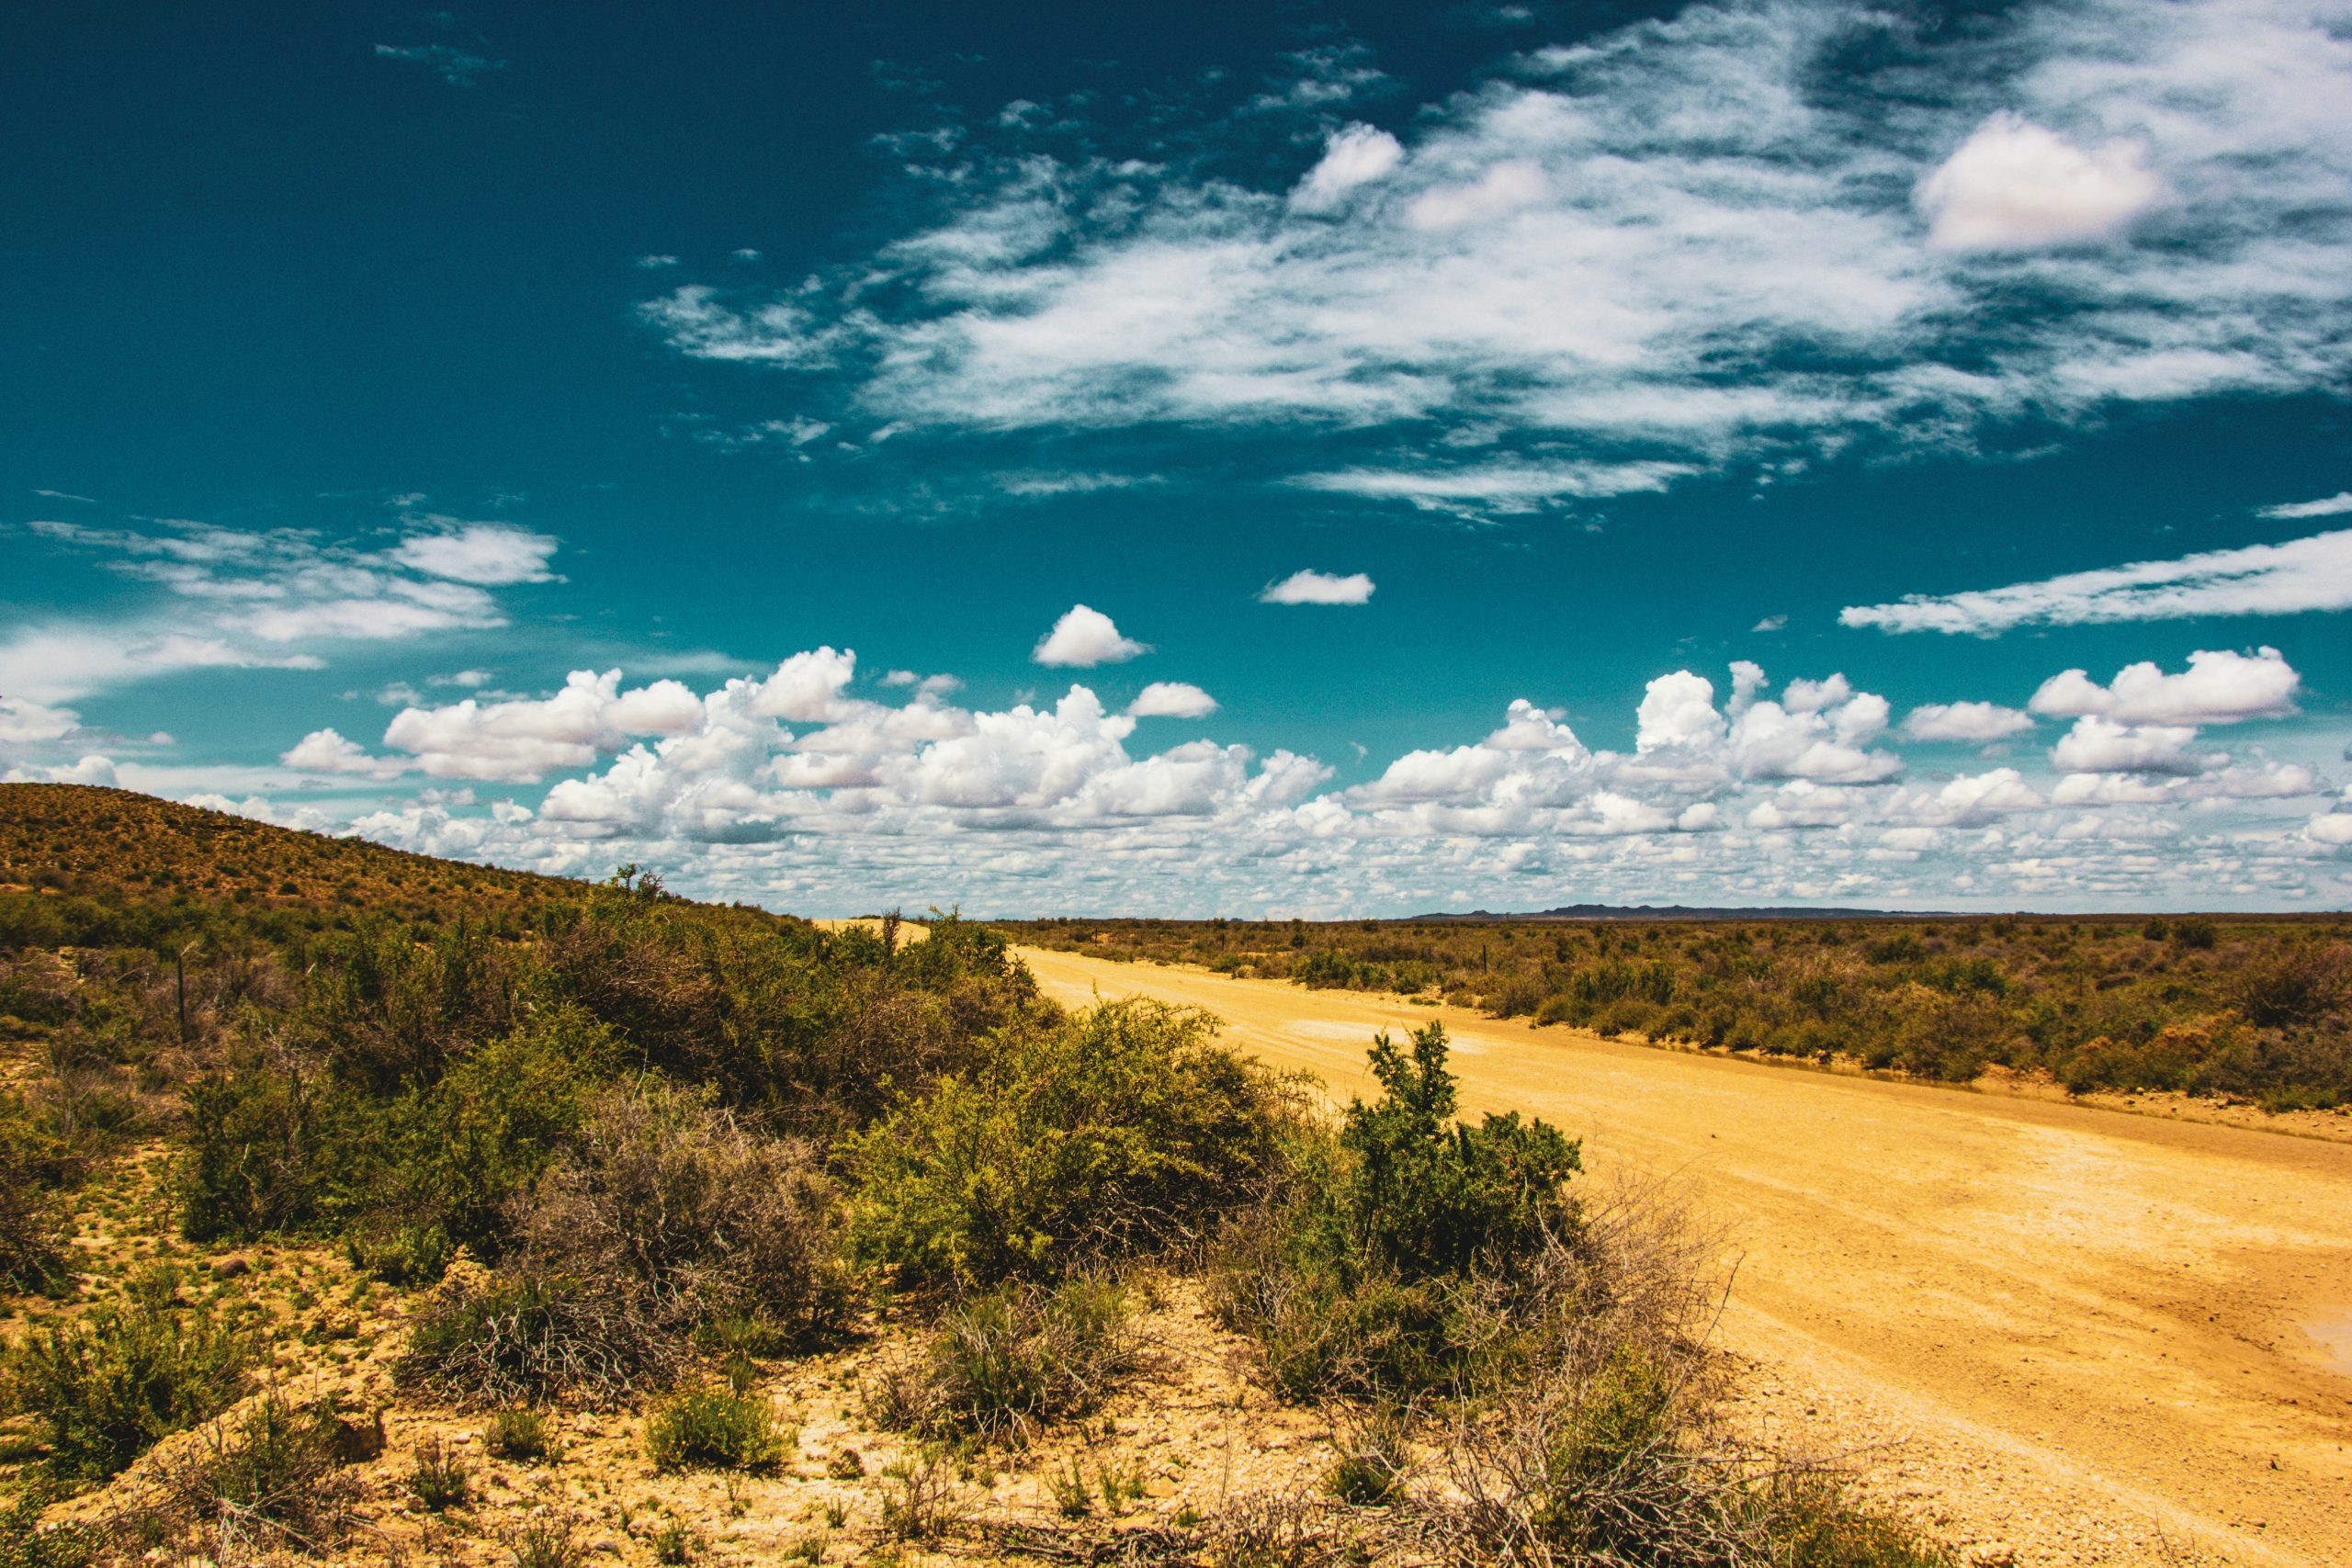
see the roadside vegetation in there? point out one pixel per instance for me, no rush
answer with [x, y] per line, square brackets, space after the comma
[2255, 1008]
[564, 1162]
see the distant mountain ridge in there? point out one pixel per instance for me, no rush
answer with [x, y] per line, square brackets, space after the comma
[1696, 912]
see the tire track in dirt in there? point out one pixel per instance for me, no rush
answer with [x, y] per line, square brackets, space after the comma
[2091, 1333]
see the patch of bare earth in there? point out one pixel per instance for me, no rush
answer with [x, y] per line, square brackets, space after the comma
[1187, 1438]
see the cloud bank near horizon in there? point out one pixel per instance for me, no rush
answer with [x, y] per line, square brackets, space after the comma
[793, 789]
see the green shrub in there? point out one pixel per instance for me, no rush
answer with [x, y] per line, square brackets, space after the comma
[1626, 1015]
[921, 1500]
[439, 1480]
[2195, 932]
[104, 1389]
[1375, 1457]
[457, 1156]
[1943, 999]
[1119, 1129]
[1809, 1521]
[1328, 1330]
[25, 1542]
[32, 1230]
[268, 1149]
[714, 1429]
[524, 1436]
[1357, 1276]
[1428, 1196]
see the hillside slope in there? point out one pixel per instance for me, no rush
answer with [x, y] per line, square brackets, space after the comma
[119, 846]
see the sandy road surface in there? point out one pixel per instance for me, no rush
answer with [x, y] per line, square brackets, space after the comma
[2087, 1327]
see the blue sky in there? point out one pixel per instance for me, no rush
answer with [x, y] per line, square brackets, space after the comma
[1314, 459]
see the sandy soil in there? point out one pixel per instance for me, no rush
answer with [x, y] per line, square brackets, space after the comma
[908, 930]
[2058, 1333]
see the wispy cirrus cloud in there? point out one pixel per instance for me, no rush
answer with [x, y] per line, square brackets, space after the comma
[1503, 487]
[2326, 507]
[1665, 248]
[456, 67]
[265, 599]
[2300, 575]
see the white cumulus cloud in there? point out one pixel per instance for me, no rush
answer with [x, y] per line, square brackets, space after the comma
[2016, 186]
[1356, 156]
[2103, 746]
[327, 752]
[2218, 687]
[1965, 721]
[1310, 587]
[523, 740]
[1084, 638]
[1172, 699]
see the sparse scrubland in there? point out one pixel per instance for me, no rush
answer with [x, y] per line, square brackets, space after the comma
[2259, 1008]
[535, 1222]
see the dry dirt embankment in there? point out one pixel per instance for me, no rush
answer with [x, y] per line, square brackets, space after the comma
[2088, 1329]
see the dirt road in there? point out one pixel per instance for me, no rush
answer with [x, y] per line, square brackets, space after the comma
[2090, 1330]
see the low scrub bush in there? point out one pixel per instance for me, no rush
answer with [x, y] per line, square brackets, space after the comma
[32, 1233]
[524, 1436]
[1811, 1520]
[673, 1544]
[457, 1157]
[1946, 1000]
[485, 1339]
[1372, 1267]
[665, 1198]
[1124, 1128]
[269, 1147]
[270, 1479]
[714, 1429]
[1014, 1359]
[439, 1480]
[921, 1499]
[1375, 1455]
[39, 1161]
[548, 1541]
[25, 1542]
[105, 1389]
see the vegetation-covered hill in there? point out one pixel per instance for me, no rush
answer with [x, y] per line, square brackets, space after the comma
[118, 849]
[2259, 1006]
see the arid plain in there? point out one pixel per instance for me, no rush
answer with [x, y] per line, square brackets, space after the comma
[2064, 1333]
